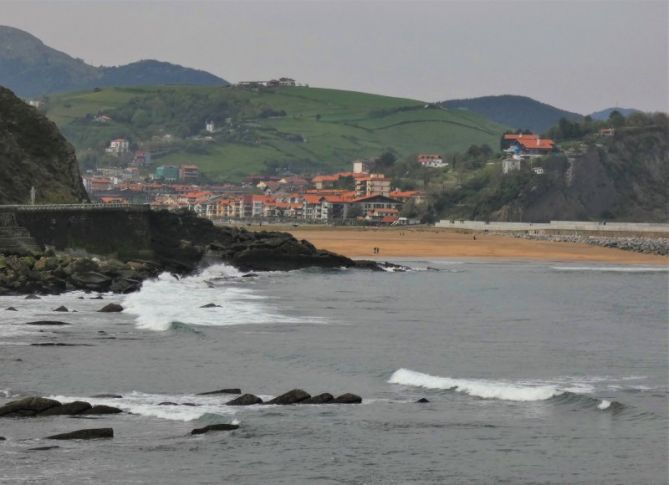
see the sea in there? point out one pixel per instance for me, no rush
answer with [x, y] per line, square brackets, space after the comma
[535, 372]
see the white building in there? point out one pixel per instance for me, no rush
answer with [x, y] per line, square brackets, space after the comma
[510, 164]
[118, 146]
[359, 166]
[431, 160]
[209, 127]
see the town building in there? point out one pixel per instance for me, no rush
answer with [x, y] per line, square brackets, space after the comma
[118, 146]
[168, 173]
[510, 164]
[431, 160]
[373, 184]
[209, 127]
[189, 173]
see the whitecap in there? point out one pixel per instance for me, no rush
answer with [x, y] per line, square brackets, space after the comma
[486, 389]
[614, 269]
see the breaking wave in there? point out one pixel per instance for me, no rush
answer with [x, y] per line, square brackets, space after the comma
[505, 391]
[171, 303]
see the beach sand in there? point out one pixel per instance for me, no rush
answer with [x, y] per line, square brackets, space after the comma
[443, 243]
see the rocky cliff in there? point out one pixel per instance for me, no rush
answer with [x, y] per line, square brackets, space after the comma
[33, 153]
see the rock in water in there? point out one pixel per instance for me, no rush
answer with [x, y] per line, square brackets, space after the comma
[43, 448]
[47, 322]
[291, 397]
[233, 390]
[61, 309]
[348, 398]
[84, 434]
[32, 297]
[111, 308]
[108, 396]
[422, 400]
[210, 305]
[215, 427]
[11, 309]
[30, 406]
[245, 400]
[2, 438]
[324, 398]
[69, 408]
[102, 409]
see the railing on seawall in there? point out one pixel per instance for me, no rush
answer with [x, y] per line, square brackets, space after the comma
[75, 207]
[556, 225]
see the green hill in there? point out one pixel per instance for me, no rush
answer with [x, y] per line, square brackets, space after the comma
[295, 128]
[30, 68]
[519, 112]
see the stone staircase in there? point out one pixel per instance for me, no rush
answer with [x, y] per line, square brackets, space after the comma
[17, 240]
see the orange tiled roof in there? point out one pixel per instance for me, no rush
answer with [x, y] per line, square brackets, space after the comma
[541, 143]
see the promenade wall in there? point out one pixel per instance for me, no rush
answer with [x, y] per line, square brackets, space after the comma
[608, 227]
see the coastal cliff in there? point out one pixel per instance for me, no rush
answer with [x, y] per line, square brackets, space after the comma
[33, 153]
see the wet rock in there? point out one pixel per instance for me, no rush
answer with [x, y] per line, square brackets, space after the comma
[324, 398]
[90, 280]
[58, 344]
[2, 438]
[192, 404]
[29, 406]
[249, 275]
[291, 397]
[215, 427]
[43, 448]
[11, 309]
[111, 308]
[167, 403]
[84, 434]
[348, 398]
[69, 408]
[422, 400]
[47, 322]
[99, 297]
[61, 309]
[221, 391]
[211, 305]
[102, 409]
[245, 400]
[108, 396]
[32, 297]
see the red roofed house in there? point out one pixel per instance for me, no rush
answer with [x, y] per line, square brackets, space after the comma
[431, 160]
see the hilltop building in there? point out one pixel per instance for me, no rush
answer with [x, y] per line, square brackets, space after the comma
[168, 173]
[189, 173]
[431, 160]
[118, 146]
[209, 127]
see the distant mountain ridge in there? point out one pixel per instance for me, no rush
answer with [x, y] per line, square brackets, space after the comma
[30, 68]
[604, 114]
[520, 112]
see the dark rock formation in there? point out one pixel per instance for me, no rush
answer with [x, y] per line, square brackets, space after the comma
[102, 409]
[291, 397]
[111, 308]
[29, 406]
[11, 309]
[233, 390]
[84, 434]
[167, 403]
[43, 448]
[47, 323]
[76, 407]
[33, 153]
[32, 297]
[210, 305]
[348, 398]
[245, 400]
[61, 309]
[423, 400]
[215, 427]
[2, 438]
[108, 396]
[324, 398]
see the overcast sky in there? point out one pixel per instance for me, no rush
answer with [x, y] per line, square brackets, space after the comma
[578, 55]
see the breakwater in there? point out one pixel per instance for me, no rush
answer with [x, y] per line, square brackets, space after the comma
[558, 226]
[647, 245]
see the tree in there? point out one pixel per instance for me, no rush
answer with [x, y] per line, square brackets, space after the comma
[616, 119]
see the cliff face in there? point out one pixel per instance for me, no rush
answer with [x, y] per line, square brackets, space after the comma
[34, 153]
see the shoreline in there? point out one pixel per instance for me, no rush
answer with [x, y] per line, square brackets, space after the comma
[449, 244]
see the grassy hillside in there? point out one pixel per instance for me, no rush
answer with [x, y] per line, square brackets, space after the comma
[292, 127]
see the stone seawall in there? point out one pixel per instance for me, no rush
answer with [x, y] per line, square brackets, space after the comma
[121, 231]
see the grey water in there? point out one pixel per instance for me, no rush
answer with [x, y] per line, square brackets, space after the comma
[535, 373]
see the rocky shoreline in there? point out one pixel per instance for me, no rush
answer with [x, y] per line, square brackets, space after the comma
[658, 246]
[181, 243]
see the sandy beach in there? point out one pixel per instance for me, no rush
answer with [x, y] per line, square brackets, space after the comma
[442, 243]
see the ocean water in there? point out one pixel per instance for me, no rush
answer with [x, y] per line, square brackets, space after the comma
[535, 373]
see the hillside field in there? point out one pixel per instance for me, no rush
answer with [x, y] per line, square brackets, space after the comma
[311, 128]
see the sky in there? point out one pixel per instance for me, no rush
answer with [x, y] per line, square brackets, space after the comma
[579, 55]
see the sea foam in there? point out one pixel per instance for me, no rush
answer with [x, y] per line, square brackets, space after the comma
[614, 269]
[485, 389]
[167, 301]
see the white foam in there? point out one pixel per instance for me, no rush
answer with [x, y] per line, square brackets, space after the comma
[485, 389]
[145, 404]
[168, 299]
[614, 269]
[604, 405]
